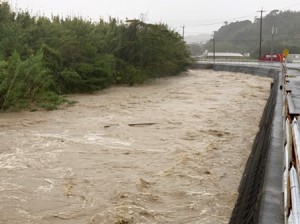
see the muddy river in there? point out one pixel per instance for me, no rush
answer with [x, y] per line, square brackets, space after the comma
[170, 151]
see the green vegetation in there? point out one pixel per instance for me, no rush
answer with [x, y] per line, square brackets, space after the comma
[42, 58]
[243, 36]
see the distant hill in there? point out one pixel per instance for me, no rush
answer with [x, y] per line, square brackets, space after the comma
[243, 36]
[200, 38]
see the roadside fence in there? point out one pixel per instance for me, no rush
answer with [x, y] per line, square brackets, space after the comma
[291, 154]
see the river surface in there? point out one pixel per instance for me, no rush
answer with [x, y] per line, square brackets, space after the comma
[170, 151]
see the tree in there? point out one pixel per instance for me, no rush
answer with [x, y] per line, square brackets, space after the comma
[76, 55]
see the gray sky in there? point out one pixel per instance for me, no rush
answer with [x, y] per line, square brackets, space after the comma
[198, 16]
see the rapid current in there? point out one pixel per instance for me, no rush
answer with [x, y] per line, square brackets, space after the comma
[170, 151]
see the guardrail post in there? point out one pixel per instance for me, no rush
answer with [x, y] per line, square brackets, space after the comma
[292, 155]
[296, 137]
[295, 195]
[286, 185]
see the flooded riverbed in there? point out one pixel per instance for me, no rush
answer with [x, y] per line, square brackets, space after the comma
[171, 151]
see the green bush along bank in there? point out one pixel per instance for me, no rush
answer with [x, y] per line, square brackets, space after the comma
[42, 58]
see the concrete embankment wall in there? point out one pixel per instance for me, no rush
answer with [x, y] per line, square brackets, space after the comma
[260, 71]
[252, 205]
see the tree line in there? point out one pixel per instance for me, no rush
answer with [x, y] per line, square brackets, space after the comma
[244, 36]
[43, 58]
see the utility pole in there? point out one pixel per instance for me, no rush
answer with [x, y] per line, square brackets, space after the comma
[260, 33]
[183, 31]
[214, 46]
[274, 31]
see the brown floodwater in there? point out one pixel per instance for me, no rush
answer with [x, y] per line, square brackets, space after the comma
[170, 151]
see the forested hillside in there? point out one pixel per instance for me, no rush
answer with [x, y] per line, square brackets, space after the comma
[41, 58]
[243, 36]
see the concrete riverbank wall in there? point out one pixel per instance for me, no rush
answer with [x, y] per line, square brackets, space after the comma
[248, 69]
[260, 190]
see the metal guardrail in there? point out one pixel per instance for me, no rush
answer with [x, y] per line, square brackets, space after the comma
[292, 156]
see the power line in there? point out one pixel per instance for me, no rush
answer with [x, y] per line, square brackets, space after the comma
[283, 14]
[210, 22]
[229, 20]
[290, 6]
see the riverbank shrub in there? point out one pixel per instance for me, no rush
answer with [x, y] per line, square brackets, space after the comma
[41, 58]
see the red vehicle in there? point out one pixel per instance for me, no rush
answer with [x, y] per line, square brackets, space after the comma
[268, 57]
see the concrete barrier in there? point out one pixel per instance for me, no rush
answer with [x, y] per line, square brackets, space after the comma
[260, 191]
[248, 69]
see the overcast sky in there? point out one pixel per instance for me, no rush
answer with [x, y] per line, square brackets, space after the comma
[198, 16]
